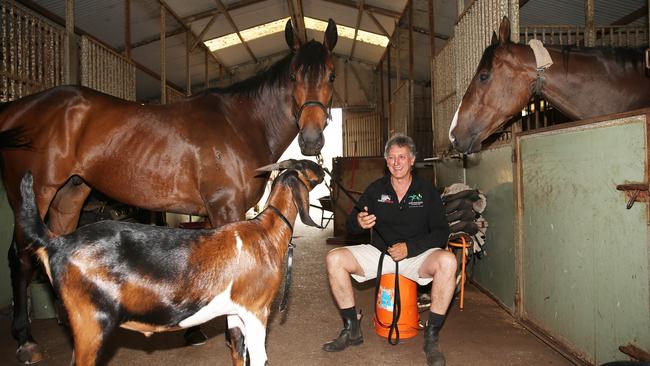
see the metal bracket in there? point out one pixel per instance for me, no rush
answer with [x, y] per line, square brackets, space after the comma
[634, 192]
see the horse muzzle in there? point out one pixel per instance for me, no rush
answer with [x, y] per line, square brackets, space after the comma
[466, 145]
[311, 142]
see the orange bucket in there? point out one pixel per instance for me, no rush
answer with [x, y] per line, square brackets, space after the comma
[407, 324]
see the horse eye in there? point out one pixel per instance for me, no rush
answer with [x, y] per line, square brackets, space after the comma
[483, 77]
[332, 77]
[292, 77]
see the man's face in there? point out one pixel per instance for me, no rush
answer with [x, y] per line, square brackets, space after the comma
[399, 161]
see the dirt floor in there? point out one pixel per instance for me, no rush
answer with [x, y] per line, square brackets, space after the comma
[482, 334]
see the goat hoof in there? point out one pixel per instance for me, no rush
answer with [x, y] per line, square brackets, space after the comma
[195, 337]
[29, 353]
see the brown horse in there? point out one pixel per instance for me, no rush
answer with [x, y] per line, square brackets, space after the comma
[194, 157]
[581, 83]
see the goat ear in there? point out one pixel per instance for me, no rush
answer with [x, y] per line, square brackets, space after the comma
[504, 30]
[300, 195]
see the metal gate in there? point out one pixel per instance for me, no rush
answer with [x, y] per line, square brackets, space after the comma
[582, 256]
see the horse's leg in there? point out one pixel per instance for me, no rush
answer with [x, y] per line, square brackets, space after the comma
[22, 266]
[22, 263]
[64, 212]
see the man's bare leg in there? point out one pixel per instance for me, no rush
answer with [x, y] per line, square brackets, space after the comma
[340, 264]
[441, 266]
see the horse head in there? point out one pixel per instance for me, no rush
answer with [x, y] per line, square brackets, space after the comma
[312, 80]
[499, 90]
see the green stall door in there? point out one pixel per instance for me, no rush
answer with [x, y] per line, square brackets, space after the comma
[584, 255]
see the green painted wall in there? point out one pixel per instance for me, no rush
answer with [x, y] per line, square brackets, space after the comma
[448, 171]
[585, 256]
[491, 172]
[6, 232]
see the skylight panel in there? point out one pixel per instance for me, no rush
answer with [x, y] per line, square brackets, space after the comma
[277, 26]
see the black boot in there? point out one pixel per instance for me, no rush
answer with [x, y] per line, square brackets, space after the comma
[431, 349]
[350, 335]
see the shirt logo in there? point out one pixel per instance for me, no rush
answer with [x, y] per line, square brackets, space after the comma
[385, 198]
[415, 200]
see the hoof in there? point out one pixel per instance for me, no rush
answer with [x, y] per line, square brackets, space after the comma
[29, 353]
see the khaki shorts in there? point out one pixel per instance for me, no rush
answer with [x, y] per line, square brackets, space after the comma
[368, 258]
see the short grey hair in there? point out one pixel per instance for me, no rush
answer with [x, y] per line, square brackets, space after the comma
[400, 140]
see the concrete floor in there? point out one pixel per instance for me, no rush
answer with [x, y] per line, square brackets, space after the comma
[482, 334]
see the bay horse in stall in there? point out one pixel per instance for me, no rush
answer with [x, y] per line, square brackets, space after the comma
[581, 83]
[194, 157]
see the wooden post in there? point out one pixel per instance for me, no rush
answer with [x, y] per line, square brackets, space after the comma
[590, 29]
[410, 121]
[70, 51]
[188, 76]
[127, 29]
[432, 56]
[398, 65]
[390, 96]
[163, 71]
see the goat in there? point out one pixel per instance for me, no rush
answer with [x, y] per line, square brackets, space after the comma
[154, 279]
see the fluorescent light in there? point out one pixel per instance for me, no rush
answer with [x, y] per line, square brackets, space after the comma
[277, 26]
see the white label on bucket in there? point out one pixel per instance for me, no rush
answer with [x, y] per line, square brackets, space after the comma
[385, 300]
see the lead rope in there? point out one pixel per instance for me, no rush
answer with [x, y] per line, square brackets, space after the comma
[397, 303]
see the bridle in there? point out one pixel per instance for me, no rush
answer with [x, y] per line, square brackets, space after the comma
[315, 103]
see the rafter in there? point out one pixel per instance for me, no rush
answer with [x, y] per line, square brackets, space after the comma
[207, 27]
[225, 12]
[379, 26]
[301, 20]
[294, 21]
[376, 9]
[356, 28]
[629, 18]
[210, 12]
[188, 28]
[426, 32]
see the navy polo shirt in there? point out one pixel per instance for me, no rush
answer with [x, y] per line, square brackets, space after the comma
[419, 219]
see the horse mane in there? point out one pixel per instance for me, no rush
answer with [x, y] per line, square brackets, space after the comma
[621, 55]
[311, 54]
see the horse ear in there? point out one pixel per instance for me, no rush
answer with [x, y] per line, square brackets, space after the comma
[300, 195]
[293, 41]
[504, 30]
[495, 39]
[331, 35]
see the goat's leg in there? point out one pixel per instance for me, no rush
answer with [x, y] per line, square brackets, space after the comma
[236, 340]
[90, 326]
[255, 338]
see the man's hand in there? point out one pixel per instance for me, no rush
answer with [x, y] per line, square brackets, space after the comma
[365, 219]
[398, 251]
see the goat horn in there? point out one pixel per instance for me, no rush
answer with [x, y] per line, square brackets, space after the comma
[285, 164]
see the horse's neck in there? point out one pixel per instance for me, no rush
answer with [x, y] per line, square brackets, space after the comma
[273, 112]
[582, 86]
